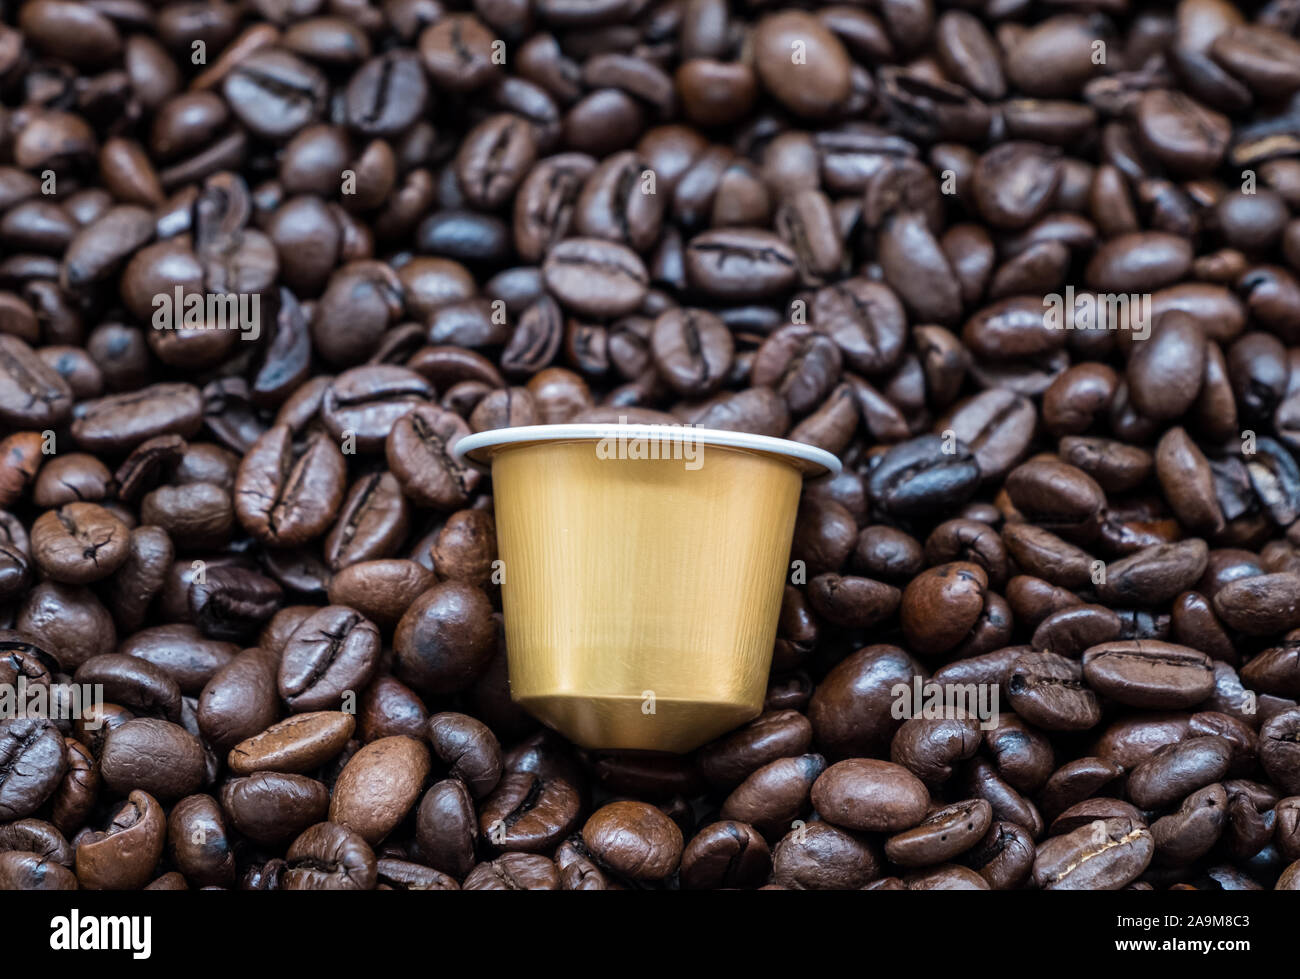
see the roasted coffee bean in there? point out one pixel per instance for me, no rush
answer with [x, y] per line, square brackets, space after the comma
[692, 350]
[930, 748]
[740, 262]
[329, 857]
[1149, 673]
[271, 808]
[1004, 857]
[921, 474]
[300, 744]
[240, 700]
[1278, 740]
[820, 856]
[419, 453]
[514, 872]
[813, 85]
[866, 794]
[595, 278]
[157, 756]
[1188, 834]
[335, 651]
[941, 835]
[124, 855]
[1260, 604]
[850, 710]
[374, 521]
[776, 794]
[34, 395]
[28, 871]
[1074, 781]
[529, 810]
[79, 543]
[1048, 690]
[445, 638]
[34, 760]
[119, 422]
[940, 606]
[634, 840]
[286, 494]
[1022, 755]
[778, 734]
[365, 402]
[468, 748]
[725, 854]
[1175, 770]
[1106, 854]
[134, 683]
[378, 786]
[232, 603]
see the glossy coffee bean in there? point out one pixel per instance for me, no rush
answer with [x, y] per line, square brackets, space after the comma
[333, 653]
[1106, 854]
[634, 839]
[865, 794]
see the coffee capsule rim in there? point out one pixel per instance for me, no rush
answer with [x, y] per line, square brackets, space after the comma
[808, 459]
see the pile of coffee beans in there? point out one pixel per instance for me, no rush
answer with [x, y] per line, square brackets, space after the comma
[1030, 268]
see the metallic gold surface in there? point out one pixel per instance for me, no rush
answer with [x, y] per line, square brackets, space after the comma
[641, 596]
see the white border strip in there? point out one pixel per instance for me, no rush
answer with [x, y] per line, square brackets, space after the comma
[819, 458]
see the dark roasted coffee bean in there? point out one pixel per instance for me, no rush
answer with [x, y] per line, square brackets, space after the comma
[1048, 691]
[32, 395]
[942, 835]
[125, 854]
[529, 811]
[595, 278]
[329, 857]
[469, 749]
[920, 475]
[153, 755]
[514, 872]
[378, 786]
[271, 808]
[419, 453]
[773, 796]
[34, 760]
[725, 854]
[1175, 770]
[232, 603]
[1106, 854]
[814, 84]
[740, 262]
[1149, 673]
[1279, 745]
[134, 683]
[445, 638]
[79, 543]
[333, 653]
[446, 829]
[634, 839]
[380, 590]
[300, 743]
[866, 794]
[286, 493]
[820, 856]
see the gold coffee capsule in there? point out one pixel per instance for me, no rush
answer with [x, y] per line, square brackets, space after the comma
[643, 569]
